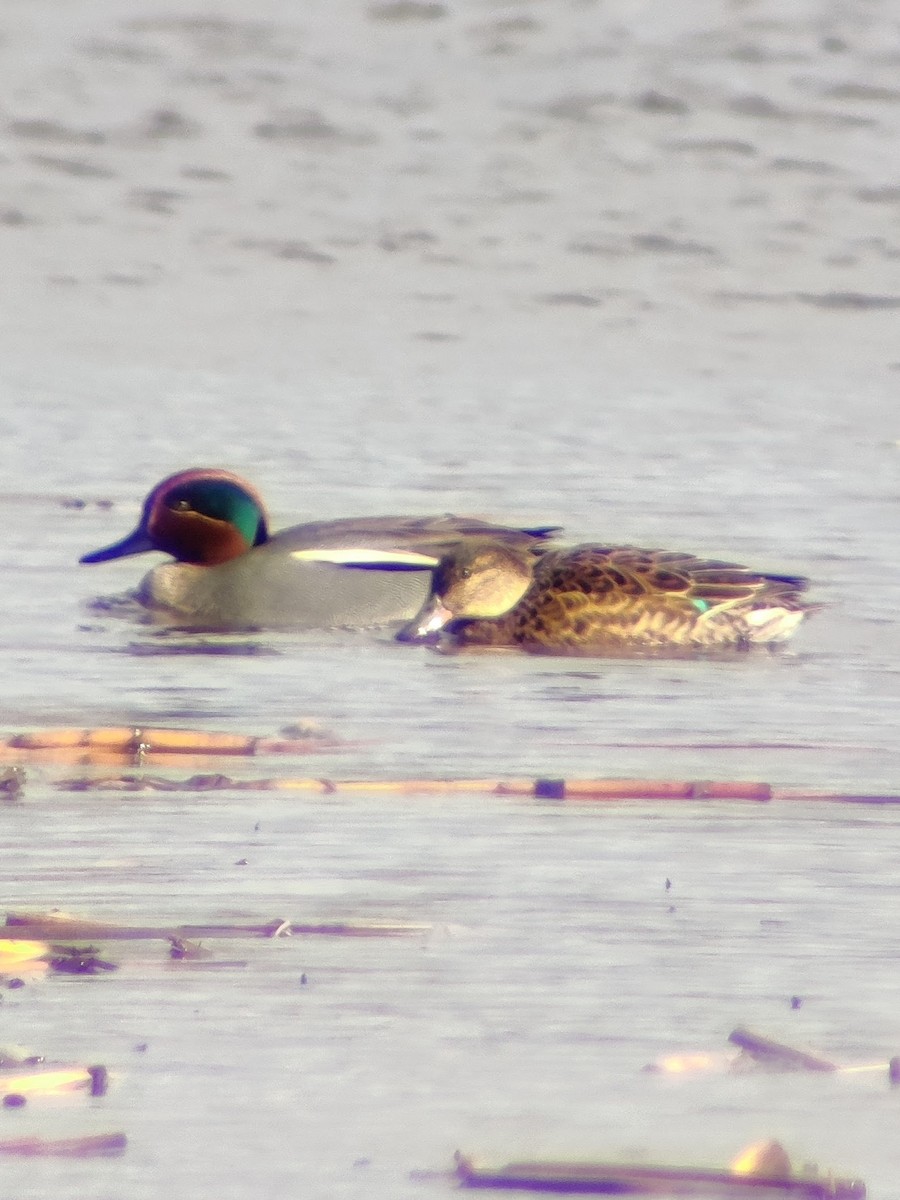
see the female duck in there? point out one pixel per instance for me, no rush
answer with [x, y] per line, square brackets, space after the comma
[600, 600]
[230, 572]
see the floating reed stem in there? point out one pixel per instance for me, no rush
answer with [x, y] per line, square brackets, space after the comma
[58, 928]
[93, 1146]
[611, 1178]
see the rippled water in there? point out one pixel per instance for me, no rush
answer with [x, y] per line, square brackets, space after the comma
[635, 274]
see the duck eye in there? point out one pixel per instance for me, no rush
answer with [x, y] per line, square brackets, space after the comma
[181, 505]
[466, 572]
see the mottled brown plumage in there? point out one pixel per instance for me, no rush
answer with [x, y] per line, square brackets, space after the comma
[605, 600]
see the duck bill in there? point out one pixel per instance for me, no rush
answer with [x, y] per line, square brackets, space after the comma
[430, 621]
[136, 543]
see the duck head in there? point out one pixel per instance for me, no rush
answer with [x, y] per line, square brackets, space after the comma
[200, 516]
[477, 579]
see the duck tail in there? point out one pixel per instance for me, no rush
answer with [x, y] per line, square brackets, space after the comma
[768, 626]
[795, 583]
[542, 533]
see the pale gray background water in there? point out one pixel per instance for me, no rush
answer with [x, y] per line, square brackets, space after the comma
[627, 268]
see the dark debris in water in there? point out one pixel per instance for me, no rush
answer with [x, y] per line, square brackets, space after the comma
[12, 781]
[76, 502]
[180, 949]
[79, 960]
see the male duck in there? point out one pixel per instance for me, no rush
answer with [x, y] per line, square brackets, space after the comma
[229, 572]
[595, 599]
